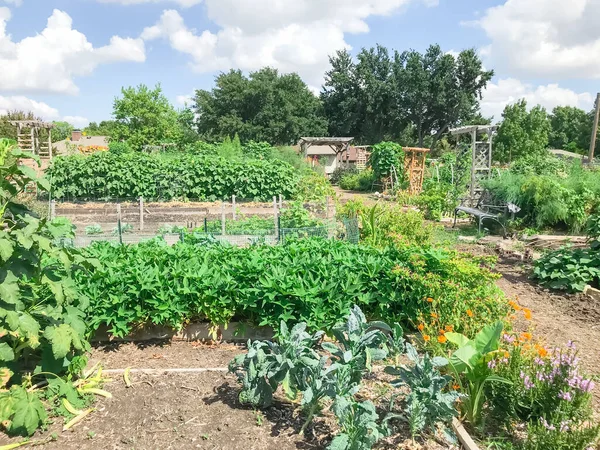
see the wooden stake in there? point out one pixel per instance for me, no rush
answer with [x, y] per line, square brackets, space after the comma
[53, 210]
[223, 218]
[141, 213]
[275, 216]
[594, 131]
[233, 205]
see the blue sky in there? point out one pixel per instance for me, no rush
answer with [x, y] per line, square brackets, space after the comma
[69, 58]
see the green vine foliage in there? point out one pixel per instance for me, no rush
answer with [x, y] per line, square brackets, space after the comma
[384, 156]
[41, 313]
[104, 175]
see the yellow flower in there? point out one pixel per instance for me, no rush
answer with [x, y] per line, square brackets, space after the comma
[421, 327]
[429, 300]
[527, 313]
[442, 339]
[426, 338]
[470, 313]
[449, 328]
[434, 315]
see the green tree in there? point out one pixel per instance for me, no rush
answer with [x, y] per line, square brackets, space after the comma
[436, 91]
[265, 106]
[521, 133]
[571, 129]
[61, 131]
[145, 117]
[104, 128]
[9, 131]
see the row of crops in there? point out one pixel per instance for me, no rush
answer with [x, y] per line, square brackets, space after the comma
[105, 175]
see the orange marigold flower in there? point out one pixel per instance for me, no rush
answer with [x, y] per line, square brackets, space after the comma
[526, 336]
[470, 313]
[506, 354]
[421, 327]
[426, 338]
[442, 339]
[527, 313]
[542, 351]
[449, 328]
[455, 387]
[429, 300]
[434, 315]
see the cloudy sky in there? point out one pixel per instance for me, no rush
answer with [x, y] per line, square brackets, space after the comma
[67, 59]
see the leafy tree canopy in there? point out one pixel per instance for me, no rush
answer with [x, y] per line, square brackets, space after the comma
[104, 128]
[61, 131]
[522, 132]
[265, 106]
[408, 96]
[144, 116]
[571, 129]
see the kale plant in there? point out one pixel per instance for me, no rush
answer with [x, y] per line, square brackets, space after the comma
[359, 425]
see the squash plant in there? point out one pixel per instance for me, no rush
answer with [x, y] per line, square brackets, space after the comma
[41, 312]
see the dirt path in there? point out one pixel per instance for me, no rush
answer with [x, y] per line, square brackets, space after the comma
[557, 317]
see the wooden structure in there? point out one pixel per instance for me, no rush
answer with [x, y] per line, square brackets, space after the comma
[29, 139]
[414, 167]
[481, 155]
[338, 144]
[362, 156]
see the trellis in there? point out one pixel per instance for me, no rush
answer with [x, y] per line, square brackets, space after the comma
[414, 167]
[481, 155]
[28, 137]
[339, 145]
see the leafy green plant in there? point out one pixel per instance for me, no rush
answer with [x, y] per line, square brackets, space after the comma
[41, 313]
[168, 176]
[359, 425]
[126, 228]
[94, 229]
[471, 360]
[341, 172]
[362, 181]
[384, 156]
[119, 148]
[311, 280]
[429, 402]
[568, 269]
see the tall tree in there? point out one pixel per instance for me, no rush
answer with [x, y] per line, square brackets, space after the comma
[436, 91]
[521, 132]
[265, 106]
[571, 129]
[145, 117]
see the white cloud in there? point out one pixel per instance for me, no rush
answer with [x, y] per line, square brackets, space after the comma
[510, 90]
[50, 60]
[20, 103]
[77, 121]
[185, 99]
[290, 35]
[181, 3]
[550, 38]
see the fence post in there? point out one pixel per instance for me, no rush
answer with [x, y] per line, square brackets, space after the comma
[275, 217]
[223, 218]
[233, 205]
[206, 225]
[53, 210]
[119, 223]
[141, 213]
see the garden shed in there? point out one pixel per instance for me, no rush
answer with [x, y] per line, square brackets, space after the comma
[328, 149]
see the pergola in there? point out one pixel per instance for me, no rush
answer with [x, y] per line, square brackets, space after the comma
[30, 140]
[481, 154]
[338, 144]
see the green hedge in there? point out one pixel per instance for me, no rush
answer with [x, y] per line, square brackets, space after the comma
[105, 175]
[312, 280]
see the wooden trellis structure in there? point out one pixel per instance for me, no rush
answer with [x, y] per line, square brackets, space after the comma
[28, 137]
[481, 155]
[414, 167]
[339, 145]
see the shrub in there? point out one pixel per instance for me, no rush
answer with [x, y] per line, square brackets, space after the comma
[105, 175]
[119, 148]
[362, 181]
[540, 164]
[341, 172]
[314, 187]
[311, 280]
[258, 150]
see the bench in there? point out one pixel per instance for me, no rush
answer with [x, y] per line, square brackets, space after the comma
[483, 211]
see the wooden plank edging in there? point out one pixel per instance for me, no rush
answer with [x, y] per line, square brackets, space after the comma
[463, 435]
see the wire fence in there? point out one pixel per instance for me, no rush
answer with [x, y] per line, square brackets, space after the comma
[346, 230]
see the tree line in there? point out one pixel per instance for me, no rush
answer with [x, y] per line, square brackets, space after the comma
[408, 97]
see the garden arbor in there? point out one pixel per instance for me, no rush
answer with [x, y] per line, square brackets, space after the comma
[338, 144]
[28, 137]
[481, 154]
